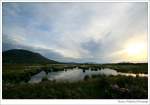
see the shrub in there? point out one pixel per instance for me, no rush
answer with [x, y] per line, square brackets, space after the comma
[44, 79]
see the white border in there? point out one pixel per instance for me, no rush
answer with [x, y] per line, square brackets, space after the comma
[0, 51]
[148, 52]
[74, 101]
[75, 0]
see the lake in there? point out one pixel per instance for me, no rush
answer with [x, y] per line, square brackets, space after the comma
[76, 74]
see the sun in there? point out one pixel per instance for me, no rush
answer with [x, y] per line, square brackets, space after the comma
[135, 49]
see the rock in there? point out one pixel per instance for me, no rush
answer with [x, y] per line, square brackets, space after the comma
[117, 88]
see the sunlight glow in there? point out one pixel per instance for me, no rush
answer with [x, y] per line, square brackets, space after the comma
[135, 49]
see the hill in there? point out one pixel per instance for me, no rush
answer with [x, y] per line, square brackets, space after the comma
[20, 56]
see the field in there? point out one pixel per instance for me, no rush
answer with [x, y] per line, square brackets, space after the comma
[15, 86]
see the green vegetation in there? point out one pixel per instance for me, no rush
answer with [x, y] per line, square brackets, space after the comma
[99, 87]
[120, 67]
[15, 73]
[20, 65]
[44, 79]
[129, 67]
[18, 73]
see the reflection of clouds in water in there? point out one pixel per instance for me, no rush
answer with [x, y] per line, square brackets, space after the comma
[70, 75]
[127, 74]
[77, 74]
[133, 75]
[92, 72]
[143, 75]
[108, 72]
[38, 77]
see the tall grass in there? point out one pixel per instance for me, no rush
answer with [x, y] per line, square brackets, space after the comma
[99, 87]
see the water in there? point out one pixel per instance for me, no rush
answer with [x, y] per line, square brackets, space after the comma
[38, 77]
[77, 74]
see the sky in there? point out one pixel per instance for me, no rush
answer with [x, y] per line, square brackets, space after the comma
[78, 32]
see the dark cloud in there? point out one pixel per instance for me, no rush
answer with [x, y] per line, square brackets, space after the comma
[75, 32]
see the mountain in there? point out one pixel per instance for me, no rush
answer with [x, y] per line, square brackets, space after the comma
[20, 56]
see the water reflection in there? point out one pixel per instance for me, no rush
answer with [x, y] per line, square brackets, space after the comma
[77, 74]
[108, 72]
[38, 77]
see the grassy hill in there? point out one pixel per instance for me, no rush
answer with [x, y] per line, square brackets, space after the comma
[20, 56]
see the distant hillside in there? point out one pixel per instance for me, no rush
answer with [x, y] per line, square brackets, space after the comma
[20, 56]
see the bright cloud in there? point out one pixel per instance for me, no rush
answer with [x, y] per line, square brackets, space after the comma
[82, 32]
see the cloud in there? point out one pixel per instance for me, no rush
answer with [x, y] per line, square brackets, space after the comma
[84, 32]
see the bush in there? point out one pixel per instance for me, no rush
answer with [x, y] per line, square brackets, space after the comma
[86, 77]
[44, 79]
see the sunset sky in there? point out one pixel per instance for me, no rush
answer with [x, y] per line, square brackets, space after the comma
[78, 32]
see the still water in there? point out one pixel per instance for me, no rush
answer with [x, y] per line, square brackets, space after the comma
[77, 74]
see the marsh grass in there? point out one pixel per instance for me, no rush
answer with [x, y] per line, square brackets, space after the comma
[93, 88]
[129, 68]
[20, 72]
[15, 86]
